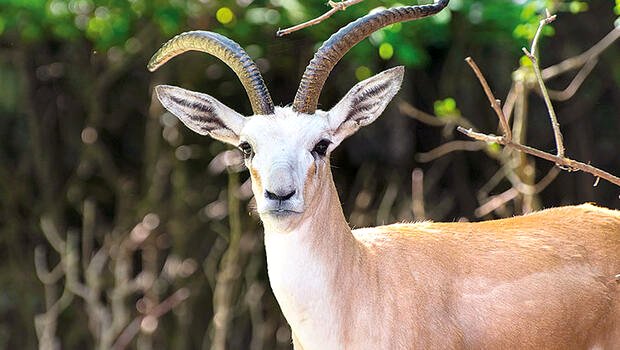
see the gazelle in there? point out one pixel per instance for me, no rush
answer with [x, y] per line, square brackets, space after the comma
[547, 280]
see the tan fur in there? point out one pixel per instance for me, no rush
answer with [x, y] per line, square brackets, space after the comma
[541, 281]
[256, 180]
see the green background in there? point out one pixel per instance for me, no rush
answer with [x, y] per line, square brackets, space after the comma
[86, 153]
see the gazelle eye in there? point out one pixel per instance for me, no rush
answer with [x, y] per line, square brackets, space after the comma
[246, 149]
[321, 147]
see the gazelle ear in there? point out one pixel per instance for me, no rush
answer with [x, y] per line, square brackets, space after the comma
[202, 113]
[364, 103]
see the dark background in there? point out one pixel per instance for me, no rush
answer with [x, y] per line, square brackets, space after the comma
[148, 221]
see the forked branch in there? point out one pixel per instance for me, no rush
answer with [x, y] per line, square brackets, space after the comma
[581, 59]
[570, 164]
[531, 54]
[506, 139]
[495, 103]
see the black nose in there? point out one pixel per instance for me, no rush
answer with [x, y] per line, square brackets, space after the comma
[279, 196]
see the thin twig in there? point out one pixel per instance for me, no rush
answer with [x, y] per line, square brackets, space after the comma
[509, 104]
[430, 119]
[449, 147]
[132, 329]
[45, 275]
[570, 164]
[547, 20]
[420, 115]
[528, 189]
[581, 59]
[417, 194]
[496, 201]
[559, 143]
[495, 103]
[575, 84]
[335, 7]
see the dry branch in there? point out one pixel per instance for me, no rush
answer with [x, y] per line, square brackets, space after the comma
[495, 103]
[575, 84]
[506, 140]
[543, 89]
[496, 201]
[107, 321]
[417, 194]
[335, 7]
[570, 164]
[130, 332]
[580, 60]
[430, 119]
[449, 147]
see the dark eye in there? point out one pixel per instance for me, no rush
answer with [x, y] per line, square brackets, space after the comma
[321, 147]
[246, 149]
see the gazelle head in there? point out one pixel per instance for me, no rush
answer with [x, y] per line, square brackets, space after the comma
[286, 149]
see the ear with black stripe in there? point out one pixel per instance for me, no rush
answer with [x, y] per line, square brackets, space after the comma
[364, 103]
[202, 113]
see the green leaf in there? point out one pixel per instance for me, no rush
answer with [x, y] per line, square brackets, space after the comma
[446, 108]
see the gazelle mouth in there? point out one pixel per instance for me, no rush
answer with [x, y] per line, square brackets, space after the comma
[281, 212]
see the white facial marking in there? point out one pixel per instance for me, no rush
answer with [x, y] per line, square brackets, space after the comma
[286, 152]
[282, 146]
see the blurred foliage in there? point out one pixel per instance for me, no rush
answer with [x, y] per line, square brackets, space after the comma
[113, 24]
[78, 126]
[446, 108]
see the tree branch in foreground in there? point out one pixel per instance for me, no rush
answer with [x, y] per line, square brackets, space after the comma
[335, 7]
[570, 164]
[559, 143]
[506, 139]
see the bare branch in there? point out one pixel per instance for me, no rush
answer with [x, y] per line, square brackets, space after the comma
[496, 201]
[547, 20]
[495, 103]
[543, 89]
[129, 333]
[575, 84]
[570, 164]
[509, 104]
[527, 189]
[430, 119]
[449, 147]
[579, 60]
[335, 7]
[45, 275]
[417, 194]
[51, 234]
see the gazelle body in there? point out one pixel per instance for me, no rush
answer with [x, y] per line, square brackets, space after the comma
[542, 281]
[548, 280]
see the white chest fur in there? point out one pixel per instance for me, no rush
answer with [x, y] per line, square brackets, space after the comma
[303, 284]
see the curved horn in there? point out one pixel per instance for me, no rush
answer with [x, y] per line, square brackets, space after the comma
[226, 50]
[332, 50]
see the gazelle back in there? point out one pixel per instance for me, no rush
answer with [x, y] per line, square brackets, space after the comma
[548, 280]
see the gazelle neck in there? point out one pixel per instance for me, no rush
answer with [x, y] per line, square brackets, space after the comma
[310, 264]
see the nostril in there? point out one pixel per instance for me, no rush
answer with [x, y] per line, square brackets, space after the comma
[288, 195]
[271, 195]
[279, 197]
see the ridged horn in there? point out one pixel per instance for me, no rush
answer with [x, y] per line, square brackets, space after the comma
[332, 50]
[226, 50]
